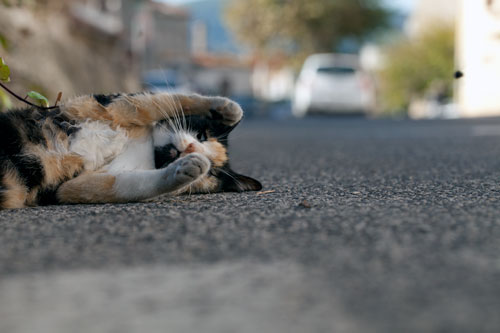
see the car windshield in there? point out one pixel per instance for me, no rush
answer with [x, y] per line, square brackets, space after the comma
[336, 70]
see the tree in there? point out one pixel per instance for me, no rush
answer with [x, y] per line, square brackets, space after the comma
[304, 26]
[415, 66]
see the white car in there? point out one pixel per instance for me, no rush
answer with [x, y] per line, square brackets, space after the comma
[333, 83]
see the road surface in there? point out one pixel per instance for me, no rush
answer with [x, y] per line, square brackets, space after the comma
[366, 226]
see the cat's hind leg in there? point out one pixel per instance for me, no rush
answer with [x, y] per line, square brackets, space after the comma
[136, 185]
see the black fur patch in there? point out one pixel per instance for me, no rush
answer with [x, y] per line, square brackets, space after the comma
[16, 129]
[215, 115]
[27, 123]
[10, 139]
[3, 189]
[47, 196]
[105, 100]
[29, 168]
[215, 128]
[65, 124]
[165, 155]
[231, 181]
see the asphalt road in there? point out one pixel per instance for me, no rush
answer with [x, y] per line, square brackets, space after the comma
[369, 226]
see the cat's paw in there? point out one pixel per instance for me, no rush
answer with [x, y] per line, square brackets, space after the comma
[191, 167]
[228, 111]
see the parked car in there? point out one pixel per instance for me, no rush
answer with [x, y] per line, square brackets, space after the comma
[333, 83]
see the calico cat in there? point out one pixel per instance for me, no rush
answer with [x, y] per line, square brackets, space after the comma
[118, 148]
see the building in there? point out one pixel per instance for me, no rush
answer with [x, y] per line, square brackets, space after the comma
[155, 34]
[166, 29]
[220, 66]
[477, 49]
[478, 56]
[430, 12]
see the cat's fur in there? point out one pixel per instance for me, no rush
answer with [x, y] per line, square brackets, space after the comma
[118, 148]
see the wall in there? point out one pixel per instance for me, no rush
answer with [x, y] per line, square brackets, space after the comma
[429, 12]
[49, 52]
[478, 56]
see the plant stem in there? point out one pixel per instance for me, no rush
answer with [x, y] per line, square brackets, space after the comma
[25, 100]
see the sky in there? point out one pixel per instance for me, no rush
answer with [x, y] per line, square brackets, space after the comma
[403, 5]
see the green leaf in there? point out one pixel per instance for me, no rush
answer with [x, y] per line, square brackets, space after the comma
[39, 98]
[5, 102]
[4, 71]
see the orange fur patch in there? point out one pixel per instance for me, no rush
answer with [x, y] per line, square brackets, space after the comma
[88, 188]
[218, 154]
[137, 113]
[206, 184]
[31, 198]
[86, 107]
[57, 167]
[16, 193]
[141, 110]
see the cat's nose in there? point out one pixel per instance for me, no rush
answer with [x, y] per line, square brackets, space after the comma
[190, 149]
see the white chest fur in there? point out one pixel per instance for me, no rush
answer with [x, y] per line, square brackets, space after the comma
[98, 144]
[138, 154]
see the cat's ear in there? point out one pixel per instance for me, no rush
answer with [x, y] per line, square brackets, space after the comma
[239, 183]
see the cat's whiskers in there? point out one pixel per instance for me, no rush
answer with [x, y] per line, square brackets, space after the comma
[180, 110]
[172, 124]
[177, 115]
[174, 106]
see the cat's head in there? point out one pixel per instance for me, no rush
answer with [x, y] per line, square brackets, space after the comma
[175, 139]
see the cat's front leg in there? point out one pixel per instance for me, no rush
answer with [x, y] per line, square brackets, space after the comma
[185, 171]
[217, 108]
[142, 110]
[135, 185]
[140, 185]
[227, 111]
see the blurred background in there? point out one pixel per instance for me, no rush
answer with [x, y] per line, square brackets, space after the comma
[277, 58]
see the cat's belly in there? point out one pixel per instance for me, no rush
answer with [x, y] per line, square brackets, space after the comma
[98, 144]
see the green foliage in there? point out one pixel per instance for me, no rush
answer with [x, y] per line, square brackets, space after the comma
[4, 71]
[414, 66]
[10, 3]
[5, 102]
[303, 26]
[4, 42]
[39, 98]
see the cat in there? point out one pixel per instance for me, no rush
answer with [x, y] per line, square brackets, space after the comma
[118, 148]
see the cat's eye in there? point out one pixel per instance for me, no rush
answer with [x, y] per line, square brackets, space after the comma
[202, 136]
